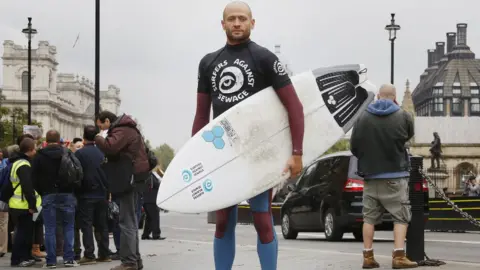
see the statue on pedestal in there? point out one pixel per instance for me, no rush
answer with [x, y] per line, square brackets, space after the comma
[436, 151]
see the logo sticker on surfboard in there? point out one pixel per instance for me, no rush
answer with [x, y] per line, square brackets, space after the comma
[199, 191]
[215, 136]
[195, 170]
[187, 176]
[207, 185]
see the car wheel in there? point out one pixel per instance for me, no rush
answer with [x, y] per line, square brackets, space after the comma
[287, 231]
[333, 232]
[358, 234]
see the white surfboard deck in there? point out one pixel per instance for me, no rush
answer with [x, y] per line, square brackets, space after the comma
[243, 152]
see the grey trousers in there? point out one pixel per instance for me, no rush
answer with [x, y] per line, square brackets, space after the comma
[129, 245]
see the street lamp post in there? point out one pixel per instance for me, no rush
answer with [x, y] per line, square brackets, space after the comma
[29, 33]
[392, 29]
[97, 57]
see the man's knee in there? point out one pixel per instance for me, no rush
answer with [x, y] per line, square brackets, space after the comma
[222, 217]
[263, 225]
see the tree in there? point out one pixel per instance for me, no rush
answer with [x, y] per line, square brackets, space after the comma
[341, 145]
[165, 154]
[148, 144]
[11, 124]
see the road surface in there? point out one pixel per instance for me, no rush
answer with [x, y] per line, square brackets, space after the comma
[189, 246]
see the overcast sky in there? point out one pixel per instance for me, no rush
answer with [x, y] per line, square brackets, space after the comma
[151, 48]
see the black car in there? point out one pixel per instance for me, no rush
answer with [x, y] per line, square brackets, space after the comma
[328, 198]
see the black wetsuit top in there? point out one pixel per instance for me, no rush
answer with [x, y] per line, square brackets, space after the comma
[236, 72]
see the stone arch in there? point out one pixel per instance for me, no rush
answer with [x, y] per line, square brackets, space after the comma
[462, 170]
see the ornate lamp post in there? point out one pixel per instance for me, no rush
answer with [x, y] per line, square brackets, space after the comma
[392, 29]
[29, 33]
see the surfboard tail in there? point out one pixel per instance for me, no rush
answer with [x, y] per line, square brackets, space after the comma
[346, 91]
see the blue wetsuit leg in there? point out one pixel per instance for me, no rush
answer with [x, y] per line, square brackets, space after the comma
[267, 245]
[224, 242]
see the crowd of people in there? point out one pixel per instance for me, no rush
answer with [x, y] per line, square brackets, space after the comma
[51, 192]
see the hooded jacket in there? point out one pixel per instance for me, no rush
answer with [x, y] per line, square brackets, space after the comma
[123, 138]
[378, 141]
[45, 166]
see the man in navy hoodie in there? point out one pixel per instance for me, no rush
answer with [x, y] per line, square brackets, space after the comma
[92, 199]
[378, 141]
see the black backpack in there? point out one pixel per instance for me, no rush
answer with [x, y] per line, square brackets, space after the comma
[152, 159]
[70, 172]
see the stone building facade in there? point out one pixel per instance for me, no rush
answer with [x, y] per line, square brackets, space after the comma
[447, 101]
[62, 101]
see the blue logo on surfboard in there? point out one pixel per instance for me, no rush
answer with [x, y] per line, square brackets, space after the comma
[215, 136]
[207, 185]
[187, 176]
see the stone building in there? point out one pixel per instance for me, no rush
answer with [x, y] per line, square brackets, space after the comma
[62, 101]
[447, 101]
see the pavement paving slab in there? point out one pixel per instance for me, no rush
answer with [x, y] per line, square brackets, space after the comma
[171, 254]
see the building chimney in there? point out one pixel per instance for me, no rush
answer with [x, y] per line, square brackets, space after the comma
[462, 34]
[451, 39]
[277, 49]
[431, 57]
[440, 50]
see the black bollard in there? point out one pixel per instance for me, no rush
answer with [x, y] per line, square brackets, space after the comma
[415, 247]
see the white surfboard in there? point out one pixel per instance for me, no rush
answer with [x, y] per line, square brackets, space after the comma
[243, 152]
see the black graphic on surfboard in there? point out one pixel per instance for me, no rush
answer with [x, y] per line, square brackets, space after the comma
[342, 97]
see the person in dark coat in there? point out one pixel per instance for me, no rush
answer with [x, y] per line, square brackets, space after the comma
[152, 221]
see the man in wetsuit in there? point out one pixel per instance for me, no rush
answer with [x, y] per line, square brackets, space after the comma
[234, 73]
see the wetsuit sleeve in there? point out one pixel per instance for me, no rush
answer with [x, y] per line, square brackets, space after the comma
[277, 77]
[24, 174]
[204, 100]
[294, 107]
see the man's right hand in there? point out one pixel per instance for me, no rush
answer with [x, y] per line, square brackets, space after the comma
[31, 211]
[294, 165]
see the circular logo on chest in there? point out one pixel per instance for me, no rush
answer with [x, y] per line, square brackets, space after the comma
[231, 80]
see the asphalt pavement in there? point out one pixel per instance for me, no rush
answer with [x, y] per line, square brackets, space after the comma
[189, 247]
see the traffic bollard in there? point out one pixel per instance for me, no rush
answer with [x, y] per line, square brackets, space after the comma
[415, 246]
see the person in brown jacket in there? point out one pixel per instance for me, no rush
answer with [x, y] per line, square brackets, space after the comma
[127, 168]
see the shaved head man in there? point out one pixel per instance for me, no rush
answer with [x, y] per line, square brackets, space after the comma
[378, 141]
[237, 22]
[387, 91]
[226, 77]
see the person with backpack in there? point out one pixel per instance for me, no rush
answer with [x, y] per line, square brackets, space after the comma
[57, 173]
[92, 200]
[23, 202]
[128, 163]
[152, 220]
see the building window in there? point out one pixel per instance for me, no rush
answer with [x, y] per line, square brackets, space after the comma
[457, 91]
[457, 107]
[475, 105]
[437, 91]
[474, 91]
[438, 104]
[25, 81]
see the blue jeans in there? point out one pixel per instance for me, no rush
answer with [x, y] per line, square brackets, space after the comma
[65, 203]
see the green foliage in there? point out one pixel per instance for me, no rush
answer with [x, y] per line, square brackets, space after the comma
[148, 144]
[11, 124]
[165, 154]
[341, 145]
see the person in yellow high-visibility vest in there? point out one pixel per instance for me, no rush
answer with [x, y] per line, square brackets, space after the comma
[23, 204]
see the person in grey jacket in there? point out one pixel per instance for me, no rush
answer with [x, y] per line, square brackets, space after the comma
[378, 141]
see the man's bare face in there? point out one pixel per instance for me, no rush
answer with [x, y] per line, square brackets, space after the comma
[237, 22]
